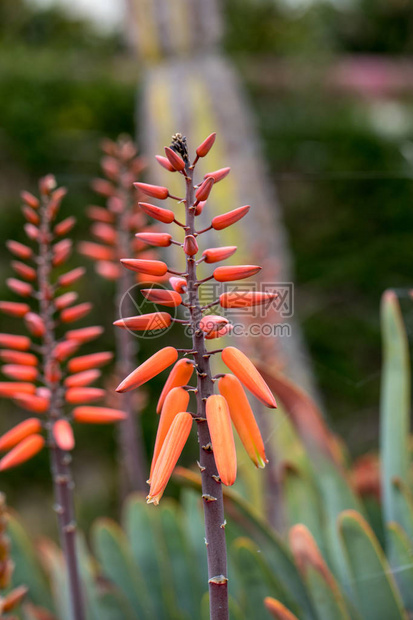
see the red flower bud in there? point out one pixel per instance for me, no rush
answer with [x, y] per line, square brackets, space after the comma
[65, 226]
[98, 415]
[70, 277]
[10, 389]
[160, 240]
[108, 270]
[222, 438]
[24, 271]
[68, 315]
[82, 379]
[20, 373]
[19, 250]
[87, 362]
[154, 191]
[14, 308]
[31, 216]
[218, 175]
[17, 357]
[85, 334]
[31, 231]
[148, 267]
[165, 163]
[10, 341]
[149, 369]
[100, 214]
[236, 272]
[20, 432]
[190, 245]
[145, 322]
[30, 200]
[65, 349]
[77, 395]
[227, 219]
[200, 207]
[104, 232]
[65, 300]
[178, 284]
[213, 255]
[224, 331]
[245, 299]
[162, 296]
[96, 251]
[103, 187]
[32, 402]
[61, 251]
[205, 146]
[24, 451]
[212, 323]
[20, 288]
[158, 213]
[246, 372]
[204, 189]
[63, 435]
[35, 324]
[47, 184]
[174, 159]
[179, 375]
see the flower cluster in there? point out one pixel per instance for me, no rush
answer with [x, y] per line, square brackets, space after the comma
[45, 374]
[231, 403]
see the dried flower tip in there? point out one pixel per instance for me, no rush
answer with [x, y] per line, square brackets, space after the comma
[35, 324]
[103, 187]
[278, 610]
[24, 451]
[82, 379]
[29, 199]
[145, 322]
[190, 245]
[224, 331]
[205, 146]
[19, 250]
[14, 599]
[31, 231]
[85, 334]
[104, 233]
[162, 296]
[213, 255]
[212, 323]
[178, 284]
[204, 189]
[180, 375]
[108, 270]
[30, 215]
[170, 452]
[148, 267]
[98, 415]
[87, 362]
[160, 240]
[10, 389]
[176, 401]
[10, 341]
[17, 357]
[32, 402]
[246, 372]
[218, 175]
[47, 184]
[175, 160]
[70, 277]
[100, 214]
[20, 288]
[14, 308]
[158, 213]
[65, 300]
[96, 251]
[24, 271]
[20, 373]
[149, 369]
[243, 419]
[227, 219]
[245, 299]
[65, 226]
[69, 315]
[235, 272]
[165, 163]
[61, 251]
[222, 438]
[63, 435]
[19, 432]
[65, 349]
[154, 191]
[77, 395]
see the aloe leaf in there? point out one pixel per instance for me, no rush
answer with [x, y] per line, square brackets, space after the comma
[377, 594]
[112, 550]
[401, 562]
[195, 531]
[324, 591]
[55, 565]
[239, 512]
[27, 568]
[278, 610]
[404, 500]
[394, 405]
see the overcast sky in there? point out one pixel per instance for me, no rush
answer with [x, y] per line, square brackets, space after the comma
[108, 14]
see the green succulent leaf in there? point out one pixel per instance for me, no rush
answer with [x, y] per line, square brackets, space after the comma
[401, 562]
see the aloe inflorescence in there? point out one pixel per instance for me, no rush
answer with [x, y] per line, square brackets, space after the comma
[213, 411]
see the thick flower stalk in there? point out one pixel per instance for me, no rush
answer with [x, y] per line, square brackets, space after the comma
[214, 411]
[114, 227]
[45, 374]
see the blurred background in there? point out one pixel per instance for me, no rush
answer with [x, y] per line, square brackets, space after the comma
[330, 84]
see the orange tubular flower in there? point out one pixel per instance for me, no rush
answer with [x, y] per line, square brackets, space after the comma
[19, 250]
[203, 191]
[148, 267]
[76, 395]
[14, 308]
[245, 299]
[75, 313]
[32, 402]
[85, 334]
[176, 401]
[24, 451]
[96, 251]
[180, 375]
[243, 419]
[63, 301]
[172, 447]
[70, 277]
[162, 296]
[175, 160]
[178, 284]
[218, 175]
[17, 357]
[205, 146]
[214, 255]
[20, 373]
[227, 219]
[87, 362]
[20, 343]
[160, 240]
[10, 389]
[246, 372]
[222, 438]
[19, 432]
[145, 322]
[165, 163]
[154, 191]
[97, 415]
[158, 213]
[35, 324]
[212, 323]
[82, 379]
[63, 435]
[236, 272]
[149, 369]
